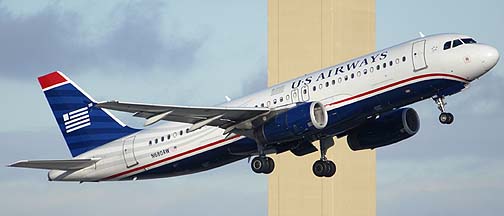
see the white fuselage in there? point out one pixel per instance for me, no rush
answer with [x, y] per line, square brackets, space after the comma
[337, 86]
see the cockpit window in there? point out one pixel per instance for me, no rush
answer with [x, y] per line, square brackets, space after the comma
[468, 40]
[456, 43]
[447, 45]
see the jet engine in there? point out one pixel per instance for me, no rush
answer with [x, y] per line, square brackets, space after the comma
[391, 127]
[293, 123]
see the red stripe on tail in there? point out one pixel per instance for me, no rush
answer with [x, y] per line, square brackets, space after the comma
[51, 79]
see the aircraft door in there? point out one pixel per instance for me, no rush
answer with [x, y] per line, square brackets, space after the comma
[305, 93]
[295, 95]
[129, 151]
[418, 55]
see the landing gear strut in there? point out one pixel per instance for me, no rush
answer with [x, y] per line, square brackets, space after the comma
[324, 167]
[444, 117]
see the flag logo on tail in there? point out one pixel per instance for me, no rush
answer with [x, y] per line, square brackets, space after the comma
[77, 119]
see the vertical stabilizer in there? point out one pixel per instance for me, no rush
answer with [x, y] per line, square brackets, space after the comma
[83, 125]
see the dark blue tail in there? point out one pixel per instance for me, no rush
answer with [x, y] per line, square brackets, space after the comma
[83, 125]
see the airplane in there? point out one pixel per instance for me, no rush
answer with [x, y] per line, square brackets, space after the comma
[363, 99]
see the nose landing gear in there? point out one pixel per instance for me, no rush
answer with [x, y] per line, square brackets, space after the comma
[444, 117]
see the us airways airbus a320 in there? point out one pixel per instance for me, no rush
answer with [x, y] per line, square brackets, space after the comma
[363, 99]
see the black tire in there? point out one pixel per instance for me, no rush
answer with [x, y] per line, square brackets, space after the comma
[258, 164]
[331, 168]
[319, 168]
[446, 118]
[271, 166]
[450, 118]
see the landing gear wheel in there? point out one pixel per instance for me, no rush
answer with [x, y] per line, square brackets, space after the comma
[331, 168]
[319, 168]
[258, 164]
[446, 118]
[262, 164]
[324, 168]
[271, 166]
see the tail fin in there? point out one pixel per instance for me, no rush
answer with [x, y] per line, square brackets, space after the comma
[83, 125]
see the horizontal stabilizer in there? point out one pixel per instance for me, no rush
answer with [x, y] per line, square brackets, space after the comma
[71, 164]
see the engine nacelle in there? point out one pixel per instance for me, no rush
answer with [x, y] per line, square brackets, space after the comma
[389, 128]
[293, 123]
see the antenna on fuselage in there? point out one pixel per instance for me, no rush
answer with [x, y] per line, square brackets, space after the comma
[421, 34]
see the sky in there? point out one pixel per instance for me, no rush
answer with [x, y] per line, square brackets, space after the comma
[173, 52]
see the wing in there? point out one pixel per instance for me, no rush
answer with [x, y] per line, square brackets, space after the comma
[71, 164]
[223, 117]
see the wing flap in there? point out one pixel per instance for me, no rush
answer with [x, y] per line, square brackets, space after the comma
[71, 164]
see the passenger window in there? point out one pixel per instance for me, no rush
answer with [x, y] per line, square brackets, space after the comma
[404, 58]
[168, 137]
[391, 62]
[365, 71]
[281, 99]
[339, 80]
[304, 91]
[384, 65]
[174, 135]
[371, 69]
[377, 67]
[320, 86]
[358, 73]
[456, 43]
[468, 41]
[150, 142]
[262, 104]
[155, 141]
[447, 45]
[287, 97]
[334, 82]
[326, 84]
[268, 104]
[187, 130]
[352, 75]
[397, 60]
[274, 101]
[181, 132]
[314, 88]
[346, 77]
[162, 139]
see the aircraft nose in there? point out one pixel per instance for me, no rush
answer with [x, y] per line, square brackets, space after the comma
[490, 57]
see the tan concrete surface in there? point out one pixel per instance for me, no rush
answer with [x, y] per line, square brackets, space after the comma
[303, 36]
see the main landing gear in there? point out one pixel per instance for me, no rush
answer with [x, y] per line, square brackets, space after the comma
[321, 168]
[262, 163]
[444, 117]
[324, 167]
